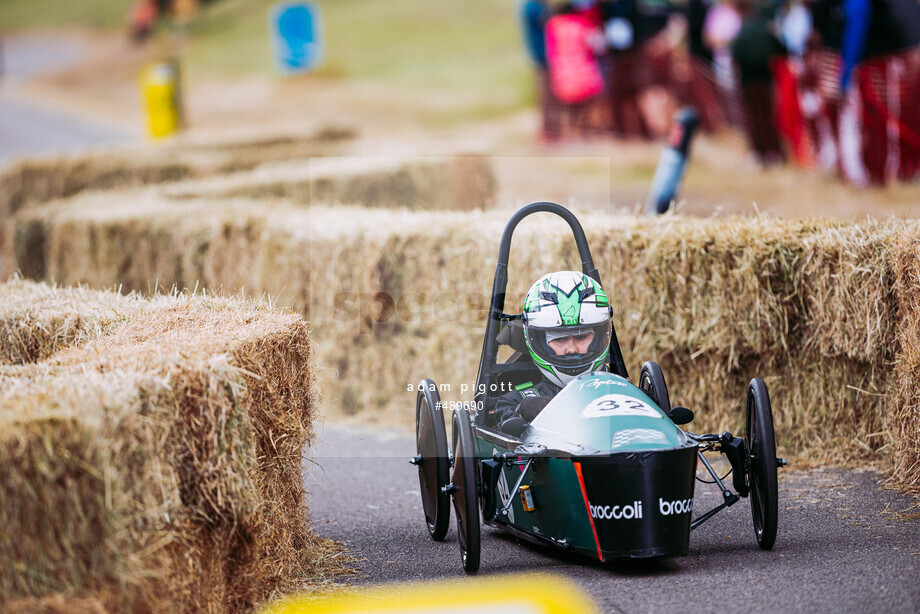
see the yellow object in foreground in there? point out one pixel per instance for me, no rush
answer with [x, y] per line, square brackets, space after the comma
[162, 103]
[514, 594]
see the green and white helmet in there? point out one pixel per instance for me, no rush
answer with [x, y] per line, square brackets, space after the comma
[564, 307]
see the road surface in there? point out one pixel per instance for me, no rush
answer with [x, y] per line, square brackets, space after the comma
[30, 126]
[840, 547]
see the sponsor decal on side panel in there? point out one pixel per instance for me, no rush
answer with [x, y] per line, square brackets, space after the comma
[681, 506]
[634, 509]
[617, 512]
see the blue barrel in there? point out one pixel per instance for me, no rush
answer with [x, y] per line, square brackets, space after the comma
[296, 36]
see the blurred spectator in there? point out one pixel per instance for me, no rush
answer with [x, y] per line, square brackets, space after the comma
[753, 51]
[697, 11]
[651, 18]
[795, 27]
[623, 69]
[827, 19]
[572, 45]
[723, 22]
[143, 18]
[660, 32]
[837, 80]
[869, 79]
[145, 14]
[650, 24]
[702, 91]
[534, 15]
[880, 54]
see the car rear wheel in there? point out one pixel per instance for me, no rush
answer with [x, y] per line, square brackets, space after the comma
[433, 464]
[464, 487]
[762, 463]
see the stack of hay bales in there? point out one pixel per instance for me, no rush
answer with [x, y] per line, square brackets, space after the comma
[150, 451]
[822, 310]
[450, 183]
[42, 180]
[196, 178]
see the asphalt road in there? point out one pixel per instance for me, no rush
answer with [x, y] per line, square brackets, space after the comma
[28, 129]
[840, 547]
[30, 126]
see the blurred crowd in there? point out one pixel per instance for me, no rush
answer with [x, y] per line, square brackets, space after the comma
[144, 15]
[833, 84]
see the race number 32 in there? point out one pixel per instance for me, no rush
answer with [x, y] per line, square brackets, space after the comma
[619, 405]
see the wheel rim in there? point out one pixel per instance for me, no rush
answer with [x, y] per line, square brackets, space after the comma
[459, 501]
[755, 479]
[433, 471]
[427, 471]
[465, 500]
[761, 464]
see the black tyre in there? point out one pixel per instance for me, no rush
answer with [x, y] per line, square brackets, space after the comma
[651, 382]
[761, 474]
[432, 461]
[466, 500]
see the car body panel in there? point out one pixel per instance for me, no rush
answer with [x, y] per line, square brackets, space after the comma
[595, 491]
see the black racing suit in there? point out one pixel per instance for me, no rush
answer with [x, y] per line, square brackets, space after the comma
[509, 403]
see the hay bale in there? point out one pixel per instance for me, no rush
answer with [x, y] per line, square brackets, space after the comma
[812, 306]
[156, 465]
[847, 281]
[904, 420]
[37, 321]
[43, 179]
[454, 183]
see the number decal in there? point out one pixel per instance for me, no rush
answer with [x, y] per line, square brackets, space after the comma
[619, 405]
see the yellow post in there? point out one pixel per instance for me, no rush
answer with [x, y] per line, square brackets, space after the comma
[534, 593]
[160, 93]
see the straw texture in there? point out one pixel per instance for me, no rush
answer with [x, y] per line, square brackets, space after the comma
[821, 309]
[151, 452]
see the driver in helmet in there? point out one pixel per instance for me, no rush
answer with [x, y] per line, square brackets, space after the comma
[567, 332]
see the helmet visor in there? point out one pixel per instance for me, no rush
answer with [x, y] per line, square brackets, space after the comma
[572, 349]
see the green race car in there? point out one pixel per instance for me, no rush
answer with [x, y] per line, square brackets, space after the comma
[603, 469]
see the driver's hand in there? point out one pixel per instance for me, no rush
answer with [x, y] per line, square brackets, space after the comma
[531, 406]
[513, 426]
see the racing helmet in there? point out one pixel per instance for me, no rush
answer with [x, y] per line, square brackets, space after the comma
[567, 325]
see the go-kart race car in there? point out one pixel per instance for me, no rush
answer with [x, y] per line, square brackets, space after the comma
[603, 470]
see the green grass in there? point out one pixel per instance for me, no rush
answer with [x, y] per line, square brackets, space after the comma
[33, 14]
[470, 50]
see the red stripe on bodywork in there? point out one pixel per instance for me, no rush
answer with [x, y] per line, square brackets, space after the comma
[584, 494]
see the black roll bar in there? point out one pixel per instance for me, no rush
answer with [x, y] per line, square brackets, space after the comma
[500, 283]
